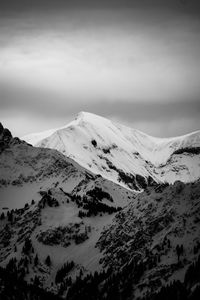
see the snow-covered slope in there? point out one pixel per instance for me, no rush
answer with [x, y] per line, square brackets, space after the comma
[61, 207]
[54, 207]
[119, 153]
[25, 170]
[153, 240]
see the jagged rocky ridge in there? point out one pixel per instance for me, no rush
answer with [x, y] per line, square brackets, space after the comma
[154, 239]
[147, 245]
[21, 163]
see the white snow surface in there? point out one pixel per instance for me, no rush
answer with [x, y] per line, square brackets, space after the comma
[25, 172]
[127, 149]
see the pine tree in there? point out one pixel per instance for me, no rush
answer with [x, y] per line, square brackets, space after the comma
[48, 261]
[36, 260]
[27, 246]
[10, 216]
[36, 281]
[2, 216]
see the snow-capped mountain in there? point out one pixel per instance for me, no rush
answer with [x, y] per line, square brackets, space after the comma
[79, 235]
[25, 170]
[58, 206]
[126, 156]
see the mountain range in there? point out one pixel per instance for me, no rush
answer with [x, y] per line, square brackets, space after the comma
[97, 210]
[119, 153]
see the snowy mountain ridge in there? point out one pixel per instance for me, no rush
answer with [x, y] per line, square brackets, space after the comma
[147, 145]
[108, 148]
[56, 205]
[25, 170]
[74, 233]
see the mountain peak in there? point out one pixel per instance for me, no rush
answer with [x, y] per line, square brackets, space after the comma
[111, 149]
[90, 117]
[83, 114]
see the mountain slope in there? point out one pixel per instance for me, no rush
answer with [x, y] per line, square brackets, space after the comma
[145, 246]
[155, 238]
[48, 200]
[120, 153]
[24, 170]
[77, 234]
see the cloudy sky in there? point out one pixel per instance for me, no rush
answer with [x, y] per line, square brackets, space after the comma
[134, 61]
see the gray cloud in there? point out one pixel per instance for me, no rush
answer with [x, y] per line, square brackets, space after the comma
[156, 118]
[44, 103]
[136, 61]
[39, 4]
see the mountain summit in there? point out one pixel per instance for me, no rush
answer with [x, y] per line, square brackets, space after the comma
[120, 153]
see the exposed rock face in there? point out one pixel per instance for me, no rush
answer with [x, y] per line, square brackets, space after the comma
[1, 128]
[5, 137]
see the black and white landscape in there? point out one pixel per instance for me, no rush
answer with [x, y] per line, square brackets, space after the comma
[90, 213]
[100, 150]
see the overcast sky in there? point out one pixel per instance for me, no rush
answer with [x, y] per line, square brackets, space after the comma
[134, 61]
